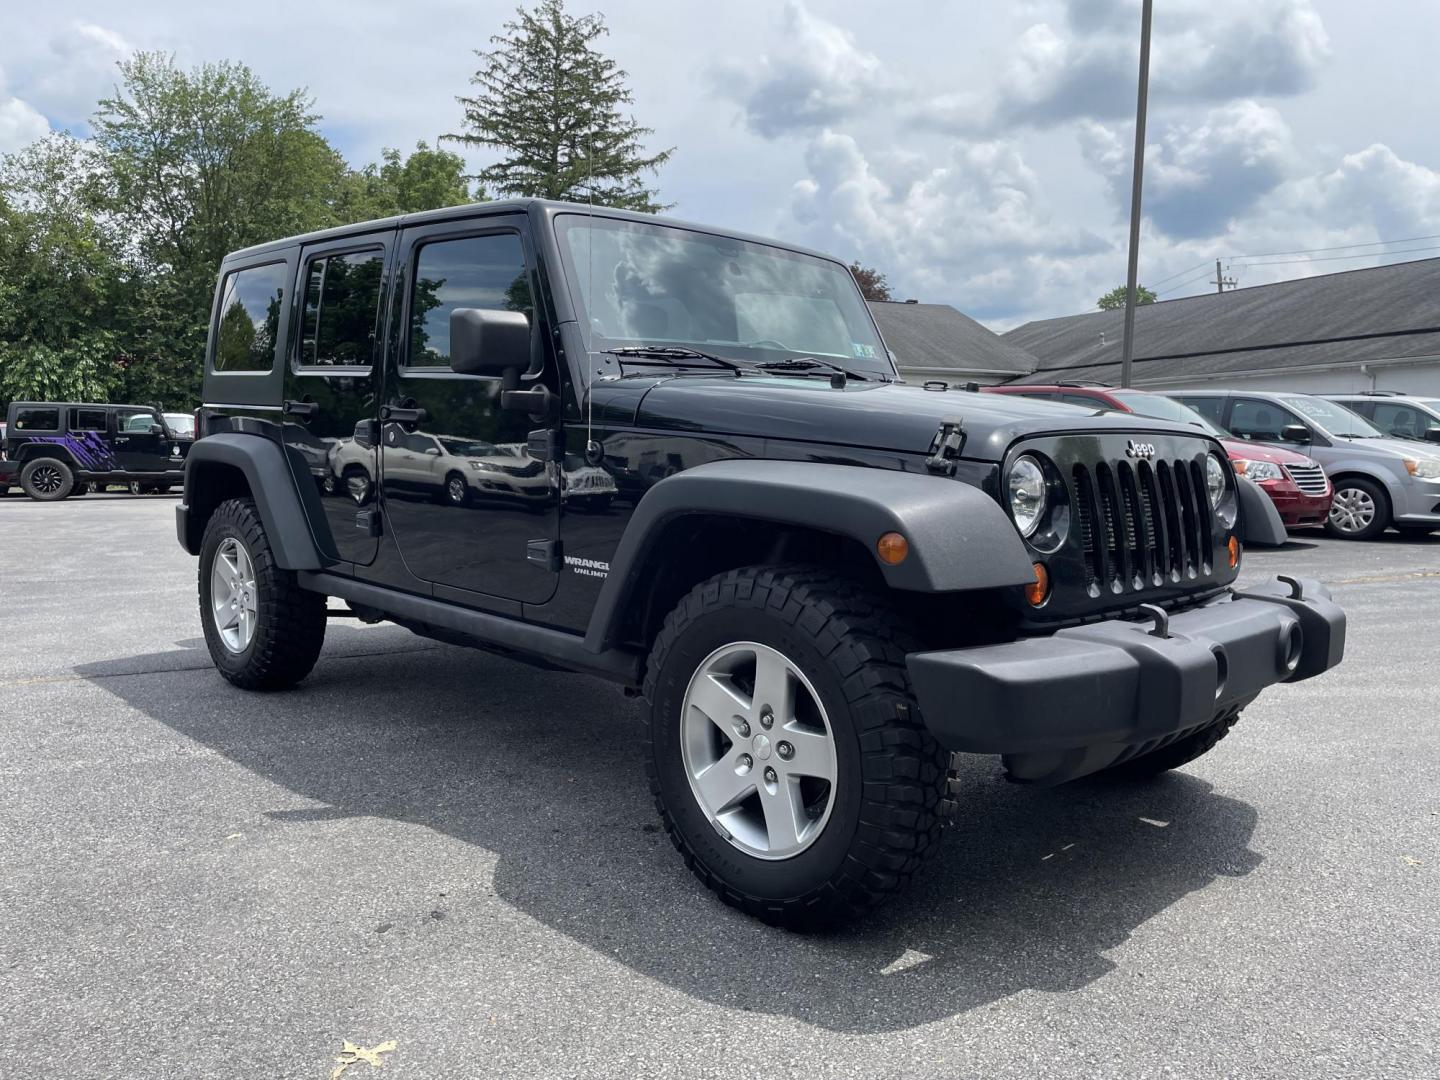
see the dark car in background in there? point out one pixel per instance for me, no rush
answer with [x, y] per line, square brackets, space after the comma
[53, 450]
[1296, 484]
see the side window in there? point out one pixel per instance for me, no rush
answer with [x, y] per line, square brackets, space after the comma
[1254, 419]
[37, 419]
[1212, 408]
[476, 272]
[135, 421]
[421, 444]
[1081, 400]
[341, 309]
[1401, 420]
[87, 419]
[249, 323]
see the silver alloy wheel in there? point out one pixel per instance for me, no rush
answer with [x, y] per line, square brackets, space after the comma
[232, 595]
[1353, 510]
[758, 750]
[455, 488]
[357, 486]
[45, 479]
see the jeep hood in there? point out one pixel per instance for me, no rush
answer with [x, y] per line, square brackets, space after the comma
[872, 415]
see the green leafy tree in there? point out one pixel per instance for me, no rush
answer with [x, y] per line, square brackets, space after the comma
[551, 105]
[62, 277]
[873, 285]
[1115, 298]
[425, 180]
[196, 164]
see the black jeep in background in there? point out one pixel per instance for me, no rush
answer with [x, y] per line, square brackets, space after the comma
[53, 450]
[822, 581]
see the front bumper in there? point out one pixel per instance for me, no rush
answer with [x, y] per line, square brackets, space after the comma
[1418, 503]
[1119, 684]
[1297, 508]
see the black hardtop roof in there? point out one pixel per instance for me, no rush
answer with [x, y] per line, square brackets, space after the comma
[548, 207]
[78, 405]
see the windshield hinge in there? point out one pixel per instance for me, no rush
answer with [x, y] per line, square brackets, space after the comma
[945, 447]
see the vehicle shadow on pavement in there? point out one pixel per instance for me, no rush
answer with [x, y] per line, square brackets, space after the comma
[1031, 890]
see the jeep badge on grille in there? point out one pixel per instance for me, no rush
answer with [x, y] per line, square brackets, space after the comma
[1142, 450]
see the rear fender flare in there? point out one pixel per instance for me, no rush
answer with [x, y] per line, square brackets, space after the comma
[272, 486]
[960, 539]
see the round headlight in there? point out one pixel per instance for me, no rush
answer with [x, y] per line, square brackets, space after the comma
[1214, 480]
[1026, 487]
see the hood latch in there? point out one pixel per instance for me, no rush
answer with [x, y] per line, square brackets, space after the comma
[945, 447]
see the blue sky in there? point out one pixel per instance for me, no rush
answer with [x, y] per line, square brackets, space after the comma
[976, 153]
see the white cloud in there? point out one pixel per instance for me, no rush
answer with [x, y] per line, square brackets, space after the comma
[1083, 64]
[20, 122]
[814, 76]
[76, 69]
[972, 228]
[1199, 175]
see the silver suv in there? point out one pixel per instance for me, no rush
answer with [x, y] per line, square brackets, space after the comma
[1379, 481]
[1399, 415]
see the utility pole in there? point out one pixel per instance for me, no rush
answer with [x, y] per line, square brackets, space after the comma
[1221, 282]
[1127, 349]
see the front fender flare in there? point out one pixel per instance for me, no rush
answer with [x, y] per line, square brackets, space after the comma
[1260, 522]
[271, 486]
[960, 538]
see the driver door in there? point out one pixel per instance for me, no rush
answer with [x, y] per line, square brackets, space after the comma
[141, 445]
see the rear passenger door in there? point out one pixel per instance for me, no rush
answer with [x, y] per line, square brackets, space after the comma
[331, 383]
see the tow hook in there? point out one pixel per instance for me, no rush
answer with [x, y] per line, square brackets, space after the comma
[1160, 617]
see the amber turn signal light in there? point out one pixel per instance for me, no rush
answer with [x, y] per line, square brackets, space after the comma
[1233, 547]
[892, 548]
[1038, 592]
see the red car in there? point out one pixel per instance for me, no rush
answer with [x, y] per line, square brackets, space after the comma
[1296, 485]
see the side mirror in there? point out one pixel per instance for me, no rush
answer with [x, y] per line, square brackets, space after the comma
[1432, 434]
[432, 451]
[1296, 433]
[487, 341]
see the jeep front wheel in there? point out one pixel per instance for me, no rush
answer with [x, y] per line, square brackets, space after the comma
[788, 759]
[264, 631]
[47, 479]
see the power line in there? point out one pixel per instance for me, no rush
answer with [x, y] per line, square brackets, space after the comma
[1187, 270]
[1339, 247]
[1338, 258]
[1187, 281]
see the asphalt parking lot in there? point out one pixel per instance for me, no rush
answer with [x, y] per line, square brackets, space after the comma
[457, 853]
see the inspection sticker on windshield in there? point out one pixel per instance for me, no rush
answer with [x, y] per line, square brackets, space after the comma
[862, 352]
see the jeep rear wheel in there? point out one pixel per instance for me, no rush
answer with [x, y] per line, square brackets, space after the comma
[47, 479]
[263, 631]
[788, 759]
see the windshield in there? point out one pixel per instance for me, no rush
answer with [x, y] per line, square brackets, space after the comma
[470, 448]
[1158, 407]
[635, 283]
[1331, 418]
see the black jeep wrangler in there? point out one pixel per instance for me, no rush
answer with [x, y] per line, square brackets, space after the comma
[57, 449]
[822, 581]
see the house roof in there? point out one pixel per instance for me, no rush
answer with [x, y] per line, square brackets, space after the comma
[1384, 312]
[936, 337]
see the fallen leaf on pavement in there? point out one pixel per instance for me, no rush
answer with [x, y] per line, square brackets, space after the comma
[351, 1054]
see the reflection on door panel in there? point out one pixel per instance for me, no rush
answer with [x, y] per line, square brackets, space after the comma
[340, 311]
[462, 496]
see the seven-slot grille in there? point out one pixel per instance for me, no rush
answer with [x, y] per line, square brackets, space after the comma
[1142, 524]
[1308, 478]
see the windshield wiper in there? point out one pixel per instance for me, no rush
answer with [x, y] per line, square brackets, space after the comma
[672, 355]
[810, 363]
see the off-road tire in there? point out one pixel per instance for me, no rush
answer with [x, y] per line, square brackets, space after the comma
[1178, 753]
[290, 628]
[891, 779]
[137, 488]
[1378, 495]
[37, 471]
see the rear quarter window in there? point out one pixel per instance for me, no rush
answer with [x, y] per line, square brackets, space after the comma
[248, 322]
[37, 420]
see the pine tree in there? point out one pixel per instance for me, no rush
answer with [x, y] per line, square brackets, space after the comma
[549, 103]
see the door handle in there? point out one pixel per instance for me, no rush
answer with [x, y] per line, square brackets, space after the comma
[403, 415]
[300, 408]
